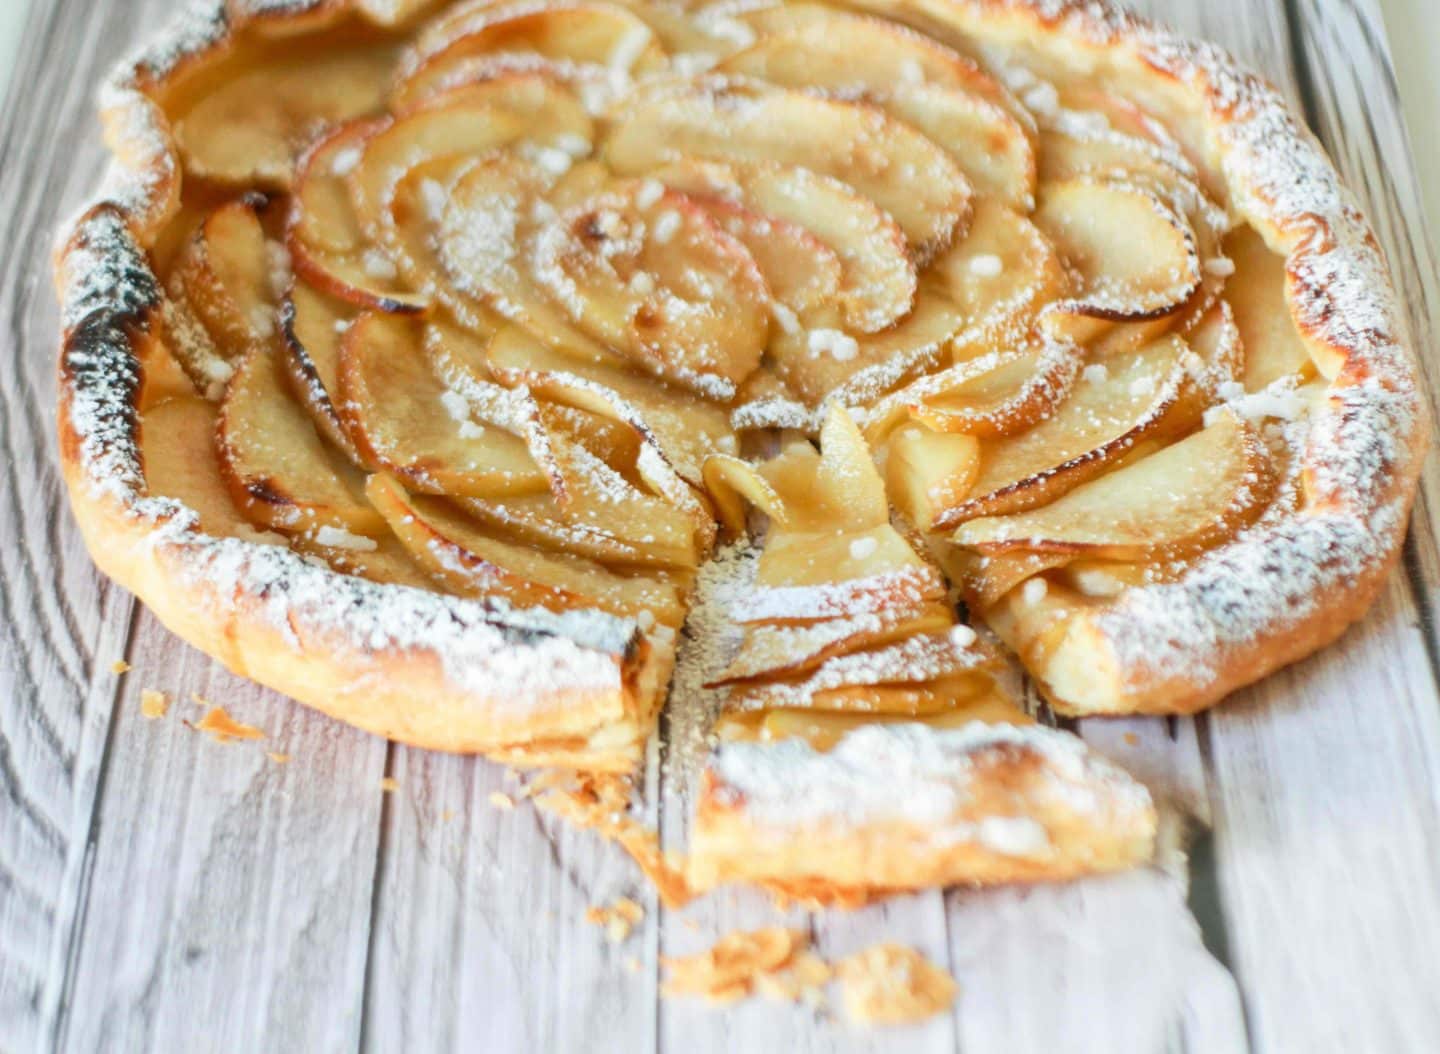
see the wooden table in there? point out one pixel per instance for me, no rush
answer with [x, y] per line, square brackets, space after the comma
[162, 891]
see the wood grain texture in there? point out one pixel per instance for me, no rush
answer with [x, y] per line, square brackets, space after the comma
[162, 891]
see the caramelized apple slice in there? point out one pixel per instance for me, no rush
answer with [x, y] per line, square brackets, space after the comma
[1256, 292]
[177, 443]
[1134, 254]
[381, 559]
[884, 159]
[1114, 407]
[248, 129]
[929, 472]
[652, 276]
[223, 295]
[824, 730]
[907, 581]
[823, 362]
[469, 120]
[563, 35]
[277, 468]
[995, 395]
[1094, 150]
[1195, 493]
[405, 421]
[877, 278]
[769, 651]
[794, 559]
[474, 563]
[685, 429]
[327, 243]
[837, 489]
[986, 578]
[912, 76]
[1001, 274]
[731, 483]
[313, 324]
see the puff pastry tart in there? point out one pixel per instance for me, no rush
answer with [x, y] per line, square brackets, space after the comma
[417, 357]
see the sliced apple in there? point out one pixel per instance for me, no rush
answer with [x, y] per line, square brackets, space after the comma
[733, 482]
[877, 278]
[988, 397]
[654, 277]
[1134, 255]
[277, 468]
[928, 472]
[794, 559]
[986, 578]
[1078, 151]
[824, 730]
[406, 421]
[313, 324]
[223, 291]
[838, 489]
[1256, 292]
[882, 158]
[823, 362]
[472, 562]
[685, 428]
[177, 445]
[1190, 495]
[1001, 274]
[1129, 398]
[248, 129]
[468, 120]
[564, 36]
[382, 559]
[919, 80]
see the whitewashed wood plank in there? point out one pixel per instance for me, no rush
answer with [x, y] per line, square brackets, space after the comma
[479, 935]
[1324, 779]
[229, 894]
[60, 624]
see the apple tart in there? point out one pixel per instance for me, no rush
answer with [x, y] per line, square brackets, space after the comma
[429, 362]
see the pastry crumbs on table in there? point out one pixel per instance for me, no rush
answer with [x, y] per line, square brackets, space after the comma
[890, 984]
[119, 666]
[218, 723]
[618, 919]
[389, 784]
[278, 758]
[154, 703]
[729, 969]
[501, 800]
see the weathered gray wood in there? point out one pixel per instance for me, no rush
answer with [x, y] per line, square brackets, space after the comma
[228, 894]
[1323, 777]
[480, 940]
[60, 625]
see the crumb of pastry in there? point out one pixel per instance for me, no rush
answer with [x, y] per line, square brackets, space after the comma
[618, 919]
[632, 964]
[817, 895]
[276, 757]
[501, 800]
[1131, 739]
[220, 725]
[602, 804]
[119, 666]
[729, 970]
[890, 984]
[389, 783]
[801, 980]
[154, 703]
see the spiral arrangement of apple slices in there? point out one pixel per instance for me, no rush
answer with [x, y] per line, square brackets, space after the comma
[499, 302]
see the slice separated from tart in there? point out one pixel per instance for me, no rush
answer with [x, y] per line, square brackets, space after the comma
[429, 348]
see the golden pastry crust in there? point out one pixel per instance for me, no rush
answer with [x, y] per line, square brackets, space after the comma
[532, 687]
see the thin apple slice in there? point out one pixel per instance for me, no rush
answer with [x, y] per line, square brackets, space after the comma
[877, 278]
[247, 130]
[313, 324]
[564, 36]
[177, 445]
[1092, 150]
[382, 559]
[1001, 274]
[404, 420]
[768, 651]
[1126, 399]
[654, 277]
[824, 730]
[919, 80]
[223, 296]
[838, 488]
[468, 120]
[733, 482]
[823, 362]
[278, 469]
[1187, 496]
[986, 578]
[794, 559]
[991, 396]
[928, 472]
[1256, 293]
[685, 429]
[472, 562]
[853, 142]
[328, 245]
[1134, 255]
